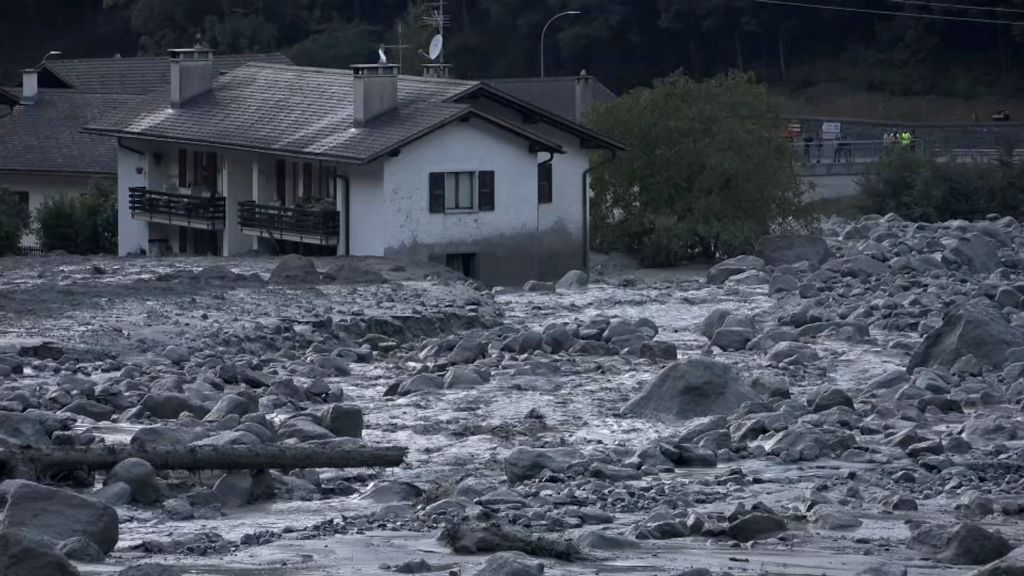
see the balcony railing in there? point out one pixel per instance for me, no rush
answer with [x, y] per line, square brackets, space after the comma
[203, 212]
[306, 225]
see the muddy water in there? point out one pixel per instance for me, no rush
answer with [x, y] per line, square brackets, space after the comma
[455, 433]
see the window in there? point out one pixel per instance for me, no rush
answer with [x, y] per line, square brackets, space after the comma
[458, 191]
[281, 171]
[545, 183]
[204, 170]
[183, 168]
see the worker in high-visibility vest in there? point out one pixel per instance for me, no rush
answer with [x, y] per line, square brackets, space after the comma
[905, 138]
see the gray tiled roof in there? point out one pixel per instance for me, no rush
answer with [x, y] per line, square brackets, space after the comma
[557, 95]
[138, 75]
[46, 136]
[295, 111]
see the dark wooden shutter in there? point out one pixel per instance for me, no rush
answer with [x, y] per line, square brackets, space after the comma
[183, 168]
[485, 190]
[282, 181]
[436, 191]
[210, 172]
[545, 181]
[197, 169]
[307, 180]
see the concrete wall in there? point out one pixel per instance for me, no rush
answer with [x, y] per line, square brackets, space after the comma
[41, 187]
[133, 170]
[510, 242]
[236, 186]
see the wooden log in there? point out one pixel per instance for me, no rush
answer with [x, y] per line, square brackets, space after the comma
[17, 462]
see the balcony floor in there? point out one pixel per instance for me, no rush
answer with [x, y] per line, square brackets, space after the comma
[291, 236]
[195, 223]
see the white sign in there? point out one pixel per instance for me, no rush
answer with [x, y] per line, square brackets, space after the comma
[831, 130]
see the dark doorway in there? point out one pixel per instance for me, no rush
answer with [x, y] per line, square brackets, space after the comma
[464, 263]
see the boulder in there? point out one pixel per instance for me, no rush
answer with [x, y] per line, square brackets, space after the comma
[722, 271]
[526, 463]
[972, 545]
[782, 283]
[295, 269]
[347, 272]
[467, 351]
[863, 267]
[573, 280]
[831, 398]
[691, 388]
[392, 492]
[732, 339]
[1011, 565]
[140, 477]
[976, 253]
[344, 421]
[57, 515]
[89, 409]
[420, 383]
[164, 437]
[176, 354]
[713, 321]
[978, 332]
[884, 570]
[24, 555]
[168, 406]
[606, 541]
[303, 429]
[756, 526]
[831, 518]
[511, 564]
[22, 430]
[234, 489]
[538, 286]
[229, 404]
[81, 550]
[783, 249]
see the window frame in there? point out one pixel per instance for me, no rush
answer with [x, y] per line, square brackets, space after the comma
[545, 183]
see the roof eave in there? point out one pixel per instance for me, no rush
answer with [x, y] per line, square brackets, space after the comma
[567, 125]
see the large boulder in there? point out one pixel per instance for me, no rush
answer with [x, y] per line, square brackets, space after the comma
[976, 253]
[169, 406]
[56, 515]
[978, 332]
[526, 463]
[24, 555]
[1011, 565]
[295, 269]
[972, 545]
[511, 564]
[691, 388]
[722, 271]
[22, 430]
[783, 249]
[757, 526]
[139, 475]
[342, 420]
[573, 280]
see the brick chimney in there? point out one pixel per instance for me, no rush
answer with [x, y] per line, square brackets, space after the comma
[374, 91]
[584, 94]
[191, 74]
[29, 86]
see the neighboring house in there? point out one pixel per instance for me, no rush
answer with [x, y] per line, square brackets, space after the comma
[568, 96]
[43, 151]
[359, 162]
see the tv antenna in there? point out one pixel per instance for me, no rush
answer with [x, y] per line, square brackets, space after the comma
[400, 46]
[437, 20]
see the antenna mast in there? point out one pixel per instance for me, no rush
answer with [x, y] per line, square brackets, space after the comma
[438, 20]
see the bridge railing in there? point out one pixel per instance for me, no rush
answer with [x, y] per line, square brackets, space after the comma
[854, 151]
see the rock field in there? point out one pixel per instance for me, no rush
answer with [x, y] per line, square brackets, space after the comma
[848, 404]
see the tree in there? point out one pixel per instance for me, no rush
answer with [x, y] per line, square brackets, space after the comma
[340, 46]
[13, 222]
[706, 175]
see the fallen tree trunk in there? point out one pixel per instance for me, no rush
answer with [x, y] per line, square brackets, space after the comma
[33, 461]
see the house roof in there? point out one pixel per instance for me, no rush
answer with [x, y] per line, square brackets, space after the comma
[138, 75]
[302, 112]
[46, 136]
[557, 95]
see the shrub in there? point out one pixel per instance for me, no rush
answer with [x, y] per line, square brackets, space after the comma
[13, 223]
[924, 189]
[85, 224]
[706, 173]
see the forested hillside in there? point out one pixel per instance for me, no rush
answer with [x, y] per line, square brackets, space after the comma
[625, 42]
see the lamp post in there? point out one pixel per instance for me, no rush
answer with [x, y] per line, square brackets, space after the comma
[545, 31]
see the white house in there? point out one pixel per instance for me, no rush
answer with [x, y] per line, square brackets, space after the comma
[360, 162]
[43, 151]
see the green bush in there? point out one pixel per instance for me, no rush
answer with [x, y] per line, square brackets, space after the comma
[13, 223]
[924, 189]
[706, 173]
[84, 224]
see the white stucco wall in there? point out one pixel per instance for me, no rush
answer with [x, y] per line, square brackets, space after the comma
[41, 187]
[236, 186]
[132, 235]
[370, 234]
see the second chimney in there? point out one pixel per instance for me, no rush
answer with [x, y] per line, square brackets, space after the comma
[584, 95]
[29, 86]
[191, 74]
[374, 91]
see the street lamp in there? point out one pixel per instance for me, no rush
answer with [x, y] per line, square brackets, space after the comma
[545, 31]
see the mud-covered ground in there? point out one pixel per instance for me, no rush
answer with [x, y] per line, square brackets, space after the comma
[97, 316]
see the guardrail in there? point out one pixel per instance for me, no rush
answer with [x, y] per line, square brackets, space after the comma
[204, 212]
[309, 225]
[838, 151]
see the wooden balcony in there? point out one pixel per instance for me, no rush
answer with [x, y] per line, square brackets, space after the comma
[306, 225]
[202, 212]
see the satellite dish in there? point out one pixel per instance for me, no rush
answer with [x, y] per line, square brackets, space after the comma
[436, 45]
[383, 56]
